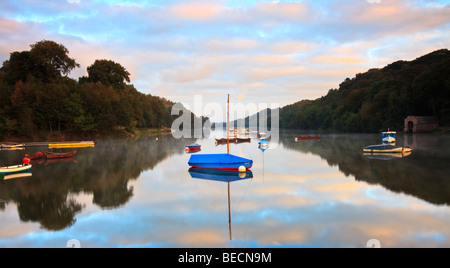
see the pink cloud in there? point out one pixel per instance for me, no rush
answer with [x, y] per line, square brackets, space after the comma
[196, 10]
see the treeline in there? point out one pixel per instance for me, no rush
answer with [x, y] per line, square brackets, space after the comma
[380, 98]
[37, 98]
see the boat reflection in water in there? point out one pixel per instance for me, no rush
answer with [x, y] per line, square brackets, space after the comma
[227, 176]
[16, 175]
[386, 156]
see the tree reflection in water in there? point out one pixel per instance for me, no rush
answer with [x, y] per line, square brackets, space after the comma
[103, 171]
[423, 174]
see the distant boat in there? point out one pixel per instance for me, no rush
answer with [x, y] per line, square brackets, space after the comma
[307, 137]
[386, 148]
[233, 140]
[14, 169]
[262, 135]
[389, 136]
[193, 148]
[220, 161]
[263, 145]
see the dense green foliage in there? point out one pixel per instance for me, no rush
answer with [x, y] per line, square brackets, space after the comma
[37, 98]
[380, 98]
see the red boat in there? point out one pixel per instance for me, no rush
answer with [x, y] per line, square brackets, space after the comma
[35, 156]
[51, 155]
[193, 148]
[307, 137]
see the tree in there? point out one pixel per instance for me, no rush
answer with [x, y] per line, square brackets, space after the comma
[47, 61]
[51, 60]
[108, 73]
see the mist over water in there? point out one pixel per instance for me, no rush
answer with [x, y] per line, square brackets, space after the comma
[140, 193]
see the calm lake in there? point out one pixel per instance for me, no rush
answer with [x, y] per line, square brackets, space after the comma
[140, 193]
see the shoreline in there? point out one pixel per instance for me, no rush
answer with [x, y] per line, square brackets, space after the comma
[64, 137]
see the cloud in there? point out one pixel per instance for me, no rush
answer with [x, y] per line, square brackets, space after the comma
[195, 10]
[291, 49]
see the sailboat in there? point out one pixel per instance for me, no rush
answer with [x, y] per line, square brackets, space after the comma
[221, 161]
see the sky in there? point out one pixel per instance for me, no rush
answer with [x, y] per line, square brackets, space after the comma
[257, 51]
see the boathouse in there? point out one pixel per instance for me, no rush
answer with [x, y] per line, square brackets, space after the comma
[415, 124]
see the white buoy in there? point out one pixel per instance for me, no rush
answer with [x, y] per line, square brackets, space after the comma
[242, 169]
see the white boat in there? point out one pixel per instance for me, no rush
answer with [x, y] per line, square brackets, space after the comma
[14, 169]
[386, 148]
[389, 136]
[12, 146]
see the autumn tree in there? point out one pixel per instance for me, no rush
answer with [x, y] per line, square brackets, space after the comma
[47, 61]
[109, 73]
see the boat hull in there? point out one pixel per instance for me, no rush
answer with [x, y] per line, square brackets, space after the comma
[219, 162]
[51, 155]
[307, 137]
[71, 145]
[14, 169]
[382, 148]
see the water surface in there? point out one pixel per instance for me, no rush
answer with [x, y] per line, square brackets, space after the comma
[139, 193]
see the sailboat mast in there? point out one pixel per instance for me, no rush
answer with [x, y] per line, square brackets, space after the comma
[229, 209]
[228, 125]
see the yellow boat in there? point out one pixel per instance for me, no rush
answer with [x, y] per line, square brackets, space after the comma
[72, 144]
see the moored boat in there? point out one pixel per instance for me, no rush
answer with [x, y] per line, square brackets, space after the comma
[219, 162]
[386, 148]
[308, 137]
[72, 144]
[12, 146]
[233, 140]
[38, 155]
[51, 155]
[192, 148]
[14, 169]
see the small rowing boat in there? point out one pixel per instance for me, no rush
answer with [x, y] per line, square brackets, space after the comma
[307, 137]
[386, 148]
[12, 146]
[192, 148]
[72, 144]
[14, 169]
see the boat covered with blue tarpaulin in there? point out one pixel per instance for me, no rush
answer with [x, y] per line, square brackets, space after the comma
[219, 161]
